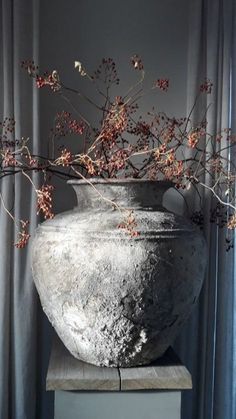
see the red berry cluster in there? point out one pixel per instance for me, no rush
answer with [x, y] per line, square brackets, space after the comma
[162, 84]
[106, 72]
[206, 86]
[8, 126]
[23, 235]
[44, 201]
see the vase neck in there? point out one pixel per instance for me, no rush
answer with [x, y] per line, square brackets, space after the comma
[132, 195]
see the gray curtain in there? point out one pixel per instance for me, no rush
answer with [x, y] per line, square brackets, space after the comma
[19, 356]
[208, 344]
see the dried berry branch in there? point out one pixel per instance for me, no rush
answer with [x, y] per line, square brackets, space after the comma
[22, 226]
[125, 144]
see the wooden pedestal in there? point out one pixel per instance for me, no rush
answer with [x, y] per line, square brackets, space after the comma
[83, 391]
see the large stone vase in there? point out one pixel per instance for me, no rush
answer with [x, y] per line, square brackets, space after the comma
[115, 300]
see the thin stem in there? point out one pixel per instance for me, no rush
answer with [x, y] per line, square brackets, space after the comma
[69, 89]
[75, 110]
[227, 204]
[5, 208]
[28, 177]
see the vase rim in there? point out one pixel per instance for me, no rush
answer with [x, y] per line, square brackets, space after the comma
[119, 181]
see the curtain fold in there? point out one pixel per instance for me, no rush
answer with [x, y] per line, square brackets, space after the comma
[208, 344]
[18, 300]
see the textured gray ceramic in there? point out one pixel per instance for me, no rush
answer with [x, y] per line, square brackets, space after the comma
[116, 300]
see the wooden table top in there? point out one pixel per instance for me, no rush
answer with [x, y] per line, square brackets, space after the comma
[68, 373]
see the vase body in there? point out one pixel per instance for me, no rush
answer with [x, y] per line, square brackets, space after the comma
[115, 300]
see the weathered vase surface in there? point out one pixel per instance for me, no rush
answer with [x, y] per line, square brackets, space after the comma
[116, 300]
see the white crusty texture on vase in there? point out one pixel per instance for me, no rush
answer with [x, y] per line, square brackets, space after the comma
[116, 300]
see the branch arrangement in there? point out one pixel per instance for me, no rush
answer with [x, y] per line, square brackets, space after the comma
[125, 144]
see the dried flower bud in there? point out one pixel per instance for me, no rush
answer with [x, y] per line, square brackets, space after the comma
[80, 68]
[137, 62]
